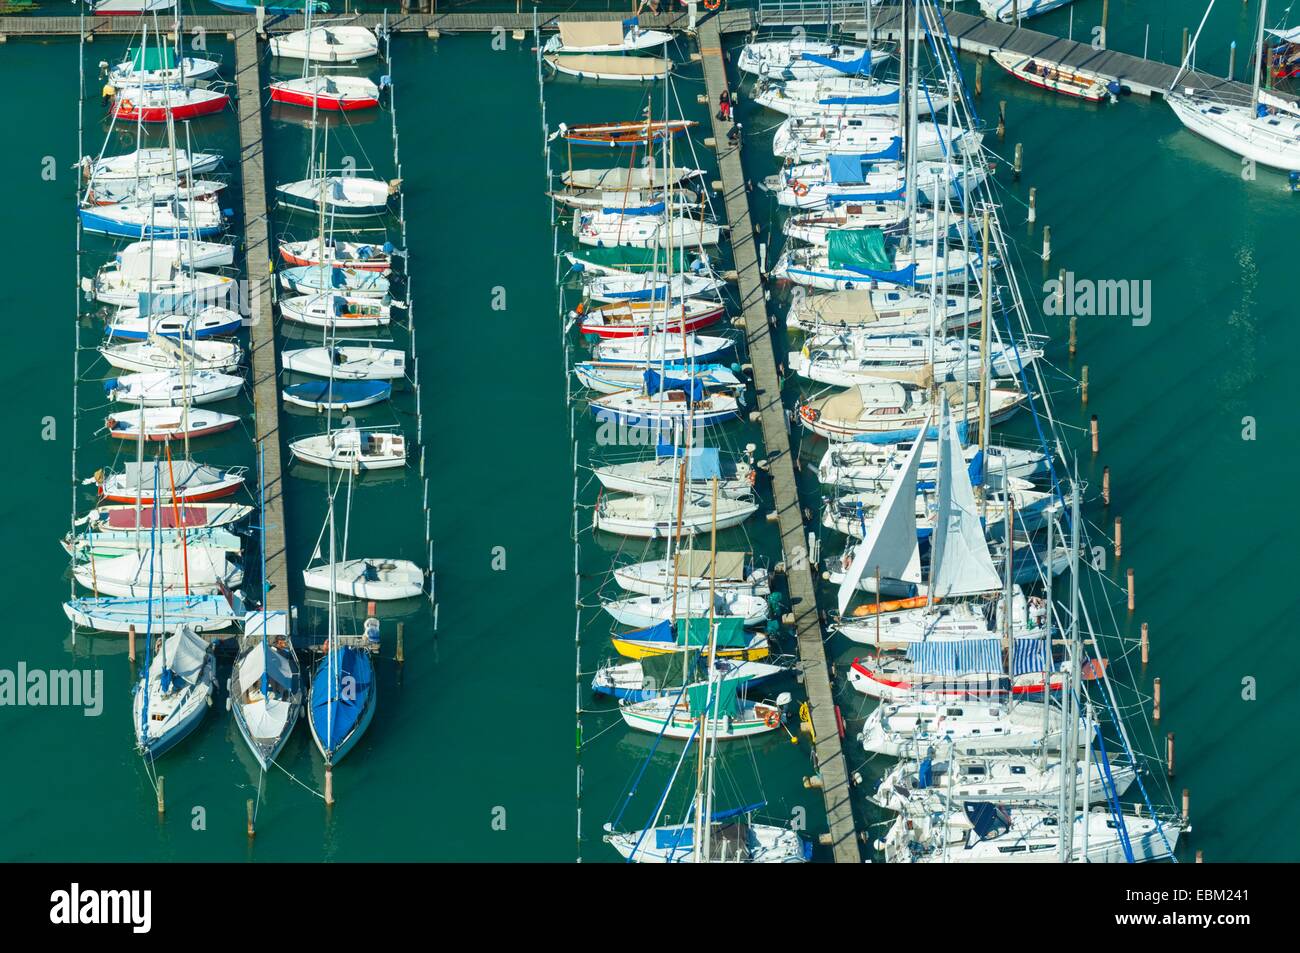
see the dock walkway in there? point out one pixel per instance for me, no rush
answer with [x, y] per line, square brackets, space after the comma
[257, 262]
[828, 754]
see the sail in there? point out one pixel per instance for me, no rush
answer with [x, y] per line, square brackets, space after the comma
[890, 543]
[960, 564]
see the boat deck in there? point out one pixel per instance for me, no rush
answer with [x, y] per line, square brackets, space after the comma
[266, 412]
[828, 753]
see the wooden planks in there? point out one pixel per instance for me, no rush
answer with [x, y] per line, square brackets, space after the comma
[828, 754]
[257, 263]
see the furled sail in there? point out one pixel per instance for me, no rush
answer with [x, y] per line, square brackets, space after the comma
[890, 544]
[960, 564]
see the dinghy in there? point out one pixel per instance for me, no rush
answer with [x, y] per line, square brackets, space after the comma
[643, 611]
[660, 475]
[321, 396]
[127, 518]
[725, 638]
[622, 133]
[362, 256]
[804, 58]
[986, 833]
[158, 103]
[656, 517]
[623, 178]
[370, 579]
[194, 570]
[850, 359]
[652, 229]
[890, 412]
[693, 570]
[148, 163]
[728, 718]
[182, 480]
[121, 285]
[331, 93]
[1045, 74]
[169, 354]
[266, 690]
[604, 37]
[168, 423]
[173, 388]
[611, 377]
[639, 318]
[129, 8]
[174, 693]
[344, 197]
[669, 401]
[912, 729]
[347, 362]
[208, 613]
[352, 449]
[635, 69]
[1007, 779]
[311, 279]
[128, 324]
[327, 43]
[176, 219]
[659, 346]
[334, 311]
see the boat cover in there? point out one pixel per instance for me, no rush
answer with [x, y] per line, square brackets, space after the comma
[354, 666]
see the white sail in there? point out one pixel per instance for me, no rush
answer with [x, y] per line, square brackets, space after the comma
[960, 564]
[891, 544]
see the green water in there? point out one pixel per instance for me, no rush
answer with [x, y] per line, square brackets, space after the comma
[481, 720]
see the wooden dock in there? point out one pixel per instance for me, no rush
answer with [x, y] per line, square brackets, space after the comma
[257, 267]
[828, 754]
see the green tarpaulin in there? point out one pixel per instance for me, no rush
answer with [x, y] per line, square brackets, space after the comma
[858, 248]
[717, 699]
[695, 632]
[665, 671]
[152, 58]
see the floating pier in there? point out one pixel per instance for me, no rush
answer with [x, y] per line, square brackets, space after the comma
[257, 262]
[828, 753]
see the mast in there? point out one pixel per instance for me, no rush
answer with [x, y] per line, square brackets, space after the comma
[713, 639]
[1070, 725]
[1260, 65]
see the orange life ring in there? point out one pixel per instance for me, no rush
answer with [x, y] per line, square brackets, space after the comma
[125, 105]
[773, 717]
[811, 413]
[799, 188]
[752, 478]
[712, 6]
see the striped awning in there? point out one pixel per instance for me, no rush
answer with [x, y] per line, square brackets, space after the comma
[954, 657]
[1030, 655]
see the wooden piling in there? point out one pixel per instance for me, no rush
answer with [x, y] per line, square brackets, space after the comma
[979, 77]
[1155, 700]
[1146, 644]
[1232, 60]
[329, 786]
[1105, 483]
[1169, 754]
[162, 801]
[1130, 589]
[1002, 119]
[1017, 165]
[1083, 383]
[1033, 204]
[1119, 536]
[401, 642]
[1074, 336]
[1200, 856]
[130, 642]
[249, 805]
[1047, 243]
[1187, 805]
[1092, 426]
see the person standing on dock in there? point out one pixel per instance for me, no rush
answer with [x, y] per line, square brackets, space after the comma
[724, 106]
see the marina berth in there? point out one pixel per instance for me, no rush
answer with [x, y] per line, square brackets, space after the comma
[652, 517]
[175, 692]
[343, 196]
[333, 93]
[636, 69]
[662, 346]
[807, 58]
[266, 687]
[173, 388]
[358, 362]
[604, 37]
[116, 615]
[335, 311]
[624, 134]
[1045, 74]
[326, 43]
[352, 449]
[148, 163]
[637, 319]
[807, 139]
[164, 102]
[694, 570]
[128, 324]
[181, 481]
[360, 256]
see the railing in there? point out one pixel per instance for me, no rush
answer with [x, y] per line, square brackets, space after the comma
[812, 12]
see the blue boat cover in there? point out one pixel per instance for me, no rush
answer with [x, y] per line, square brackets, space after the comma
[952, 657]
[674, 838]
[887, 100]
[655, 382]
[705, 463]
[153, 303]
[857, 67]
[344, 392]
[845, 198]
[988, 820]
[846, 170]
[655, 209]
[354, 672]
[1030, 655]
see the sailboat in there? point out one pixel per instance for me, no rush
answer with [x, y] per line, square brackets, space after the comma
[1265, 130]
[343, 689]
[802, 57]
[266, 690]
